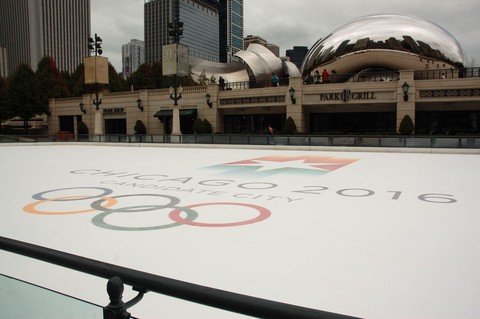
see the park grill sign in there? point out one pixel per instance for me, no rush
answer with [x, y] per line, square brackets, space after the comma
[347, 95]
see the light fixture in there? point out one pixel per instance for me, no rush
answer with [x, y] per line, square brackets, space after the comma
[139, 104]
[175, 94]
[207, 98]
[82, 108]
[97, 100]
[292, 95]
[405, 88]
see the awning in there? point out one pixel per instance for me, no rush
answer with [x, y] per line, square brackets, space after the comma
[183, 112]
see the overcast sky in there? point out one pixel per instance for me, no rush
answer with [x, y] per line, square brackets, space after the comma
[289, 23]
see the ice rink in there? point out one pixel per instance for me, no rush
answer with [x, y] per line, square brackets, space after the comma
[367, 234]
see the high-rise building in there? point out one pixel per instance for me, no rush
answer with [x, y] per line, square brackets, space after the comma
[231, 29]
[250, 39]
[297, 54]
[200, 27]
[274, 48]
[133, 55]
[3, 63]
[33, 29]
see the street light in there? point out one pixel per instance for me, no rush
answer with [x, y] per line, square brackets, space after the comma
[98, 99]
[175, 93]
[207, 98]
[175, 31]
[405, 88]
[292, 95]
[95, 46]
[139, 104]
[82, 108]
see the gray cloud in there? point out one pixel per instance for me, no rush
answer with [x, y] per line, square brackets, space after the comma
[289, 23]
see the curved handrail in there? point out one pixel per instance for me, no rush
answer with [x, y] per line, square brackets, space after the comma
[142, 281]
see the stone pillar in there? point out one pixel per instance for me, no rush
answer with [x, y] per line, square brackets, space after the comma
[296, 111]
[406, 107]
[176, 121]
[98, 121]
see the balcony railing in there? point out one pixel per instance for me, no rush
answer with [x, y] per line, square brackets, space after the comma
[143, 282]
[447, 73]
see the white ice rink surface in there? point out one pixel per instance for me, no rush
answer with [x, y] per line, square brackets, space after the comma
[372, 235]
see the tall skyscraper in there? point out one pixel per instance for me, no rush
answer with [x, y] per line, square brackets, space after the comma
[3, 63]
[274, 48]
[133, 55]
[33, 29]
[297, 54]
[231, 29]
[250, 39]
[200, 27]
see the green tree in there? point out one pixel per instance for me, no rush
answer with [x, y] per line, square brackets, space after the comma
[406, 126]
[51, 83]
[142, 79]
[22, 94]
[116, 83]
[77, 81]
[5, 110]
[158, 78]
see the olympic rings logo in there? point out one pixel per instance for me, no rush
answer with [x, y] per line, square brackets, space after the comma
[108, 205]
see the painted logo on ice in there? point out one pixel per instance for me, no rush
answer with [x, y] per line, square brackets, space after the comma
[294, 165]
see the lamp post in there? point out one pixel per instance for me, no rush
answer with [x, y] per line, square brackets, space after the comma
[175, 31]
[95, 47]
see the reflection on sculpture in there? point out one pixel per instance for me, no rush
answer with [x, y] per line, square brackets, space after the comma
[372, 43]
[389, 42]
[258, 65]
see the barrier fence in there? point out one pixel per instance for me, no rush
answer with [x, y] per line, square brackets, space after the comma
[463, 142]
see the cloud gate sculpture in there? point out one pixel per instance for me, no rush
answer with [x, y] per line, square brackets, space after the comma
[386, 42]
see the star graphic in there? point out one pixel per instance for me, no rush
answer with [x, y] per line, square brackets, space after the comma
[265, 165]
[271, 165]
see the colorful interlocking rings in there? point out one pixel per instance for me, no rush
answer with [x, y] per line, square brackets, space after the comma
[108, 205]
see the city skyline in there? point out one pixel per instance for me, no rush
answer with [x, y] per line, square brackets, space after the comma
[288, 24]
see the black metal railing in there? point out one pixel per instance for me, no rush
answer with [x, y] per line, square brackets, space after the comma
[146, 282]
[447, 73]
[392, 141]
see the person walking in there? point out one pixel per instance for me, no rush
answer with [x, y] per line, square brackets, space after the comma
[221, 82]
[269, 132]
[325, 76]
[274, 79]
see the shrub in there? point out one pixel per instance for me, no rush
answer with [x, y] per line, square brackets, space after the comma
[290, 127]
[198, 126]
[207, 127]
[140, 128]
[82, 128]
[406, 126]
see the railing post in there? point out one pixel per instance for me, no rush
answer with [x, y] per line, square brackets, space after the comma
[117, 309]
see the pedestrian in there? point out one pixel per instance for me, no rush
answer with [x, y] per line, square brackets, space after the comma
[316, 76]
[221, 82]
[274, 79]
[269, 132]
[325, 76]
